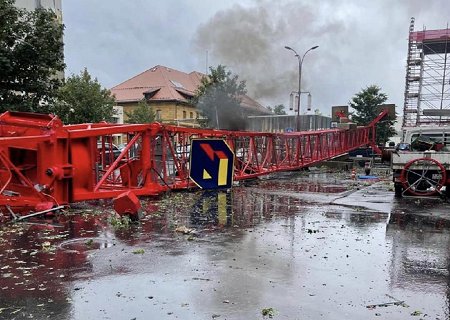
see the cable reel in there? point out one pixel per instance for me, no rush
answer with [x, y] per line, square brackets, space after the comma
[423, 177]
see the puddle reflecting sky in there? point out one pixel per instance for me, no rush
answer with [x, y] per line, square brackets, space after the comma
[225, 255]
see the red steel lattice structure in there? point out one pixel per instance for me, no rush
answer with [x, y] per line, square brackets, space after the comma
[44, 164]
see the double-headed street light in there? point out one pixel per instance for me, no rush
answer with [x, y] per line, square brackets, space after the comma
[300, 63]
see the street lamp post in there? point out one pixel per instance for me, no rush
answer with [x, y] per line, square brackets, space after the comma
[300, 63]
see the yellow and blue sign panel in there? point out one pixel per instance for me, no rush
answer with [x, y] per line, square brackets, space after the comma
[211, 163]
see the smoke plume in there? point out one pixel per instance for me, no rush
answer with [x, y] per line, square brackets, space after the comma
[360, 43]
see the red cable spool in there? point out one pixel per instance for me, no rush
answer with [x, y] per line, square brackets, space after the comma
[423, 177]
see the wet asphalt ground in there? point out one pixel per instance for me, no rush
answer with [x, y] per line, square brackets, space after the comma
[304, 245]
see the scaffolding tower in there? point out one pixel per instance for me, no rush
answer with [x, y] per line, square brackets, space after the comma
[427, 89]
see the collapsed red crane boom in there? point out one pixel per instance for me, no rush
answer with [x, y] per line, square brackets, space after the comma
[45, 164]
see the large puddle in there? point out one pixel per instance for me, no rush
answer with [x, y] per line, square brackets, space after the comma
[261, 248]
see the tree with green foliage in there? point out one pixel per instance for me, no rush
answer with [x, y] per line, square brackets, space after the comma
[365, 103]
[278, 109]
[31, 55]
[83, 100]
[218, 100]
[143, 113]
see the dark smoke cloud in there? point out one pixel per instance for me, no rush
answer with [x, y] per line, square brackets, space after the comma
[360, 43]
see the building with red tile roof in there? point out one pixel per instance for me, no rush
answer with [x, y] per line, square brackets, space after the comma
[168, 92]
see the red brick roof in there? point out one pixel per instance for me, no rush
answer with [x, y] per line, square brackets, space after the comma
[160, 80]
[165, 84]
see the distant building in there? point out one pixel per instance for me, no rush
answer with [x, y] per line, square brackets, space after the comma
[118, 118]
[31, 5]
[287, 123]
[118, 115]
[54, 5]
[168, 92]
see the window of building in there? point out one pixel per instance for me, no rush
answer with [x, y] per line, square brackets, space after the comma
[191, 115]
[184, 114]
[158, 114]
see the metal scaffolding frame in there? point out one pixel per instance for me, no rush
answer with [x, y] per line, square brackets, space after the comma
[427, 88]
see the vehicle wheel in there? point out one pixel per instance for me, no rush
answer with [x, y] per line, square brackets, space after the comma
[423, 177]
[398, 189]
[446, 194]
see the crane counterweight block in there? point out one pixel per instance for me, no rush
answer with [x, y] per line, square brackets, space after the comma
[128, 204]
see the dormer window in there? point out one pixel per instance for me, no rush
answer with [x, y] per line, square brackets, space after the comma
[176, 84]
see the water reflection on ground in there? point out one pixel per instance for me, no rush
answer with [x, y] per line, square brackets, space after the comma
[226, 255]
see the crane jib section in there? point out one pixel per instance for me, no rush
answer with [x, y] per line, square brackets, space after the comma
[44, 163]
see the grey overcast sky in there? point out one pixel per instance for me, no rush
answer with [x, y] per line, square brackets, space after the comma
[361, 42]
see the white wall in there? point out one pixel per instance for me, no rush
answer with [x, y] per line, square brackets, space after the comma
[55, 5]
[118, 117]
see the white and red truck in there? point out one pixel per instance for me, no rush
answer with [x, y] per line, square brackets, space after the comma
[421, 164]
